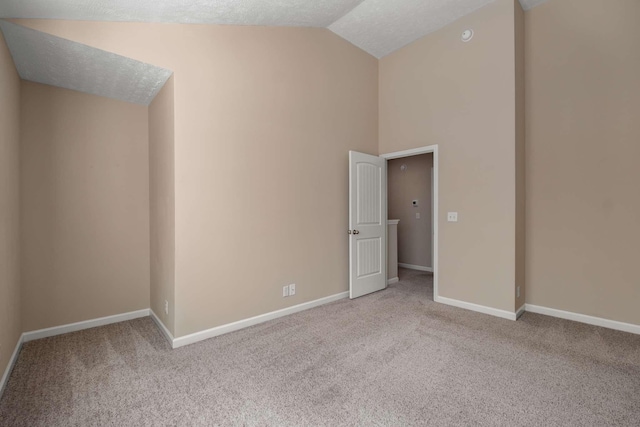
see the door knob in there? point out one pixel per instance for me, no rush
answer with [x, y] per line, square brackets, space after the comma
[356, 232]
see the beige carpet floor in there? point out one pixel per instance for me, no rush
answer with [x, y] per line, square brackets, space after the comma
[393, 358]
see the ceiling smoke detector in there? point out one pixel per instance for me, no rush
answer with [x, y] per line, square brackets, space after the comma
[466, 35]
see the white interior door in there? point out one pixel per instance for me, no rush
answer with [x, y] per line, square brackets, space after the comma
[367, 224]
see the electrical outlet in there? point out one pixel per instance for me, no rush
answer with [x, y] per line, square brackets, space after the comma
[518, 292]
[292, 289]
[285, 291]
[166, 307]
[452, 216]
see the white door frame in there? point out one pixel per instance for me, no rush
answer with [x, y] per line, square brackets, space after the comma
[413, 152]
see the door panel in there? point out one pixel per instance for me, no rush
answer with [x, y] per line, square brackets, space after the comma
[369, 251]
[368, 189]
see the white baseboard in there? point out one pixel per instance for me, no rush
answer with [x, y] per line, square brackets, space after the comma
[78, 326]
[583, 318]
[12, 362]
[476, 307]
[392, 281]
[167, 334]
[520, 311]
[241, 324]
[415, 267]
[175, 342]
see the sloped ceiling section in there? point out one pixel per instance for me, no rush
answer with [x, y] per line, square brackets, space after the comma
[380, 26]
[300, 13]
[43, 58]
[376, 26]
[530, 4]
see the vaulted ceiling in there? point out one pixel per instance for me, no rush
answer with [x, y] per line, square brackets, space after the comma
[47, 59]
[379, 27]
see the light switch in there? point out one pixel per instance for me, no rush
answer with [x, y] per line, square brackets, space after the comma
[452, 216]
[417, 215]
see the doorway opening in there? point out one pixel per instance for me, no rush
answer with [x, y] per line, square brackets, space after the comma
[412, 198]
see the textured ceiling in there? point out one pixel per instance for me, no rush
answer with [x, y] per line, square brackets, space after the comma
[530, 4]
[380, 26]
[376, 26]
[43, 58]
[302, 13]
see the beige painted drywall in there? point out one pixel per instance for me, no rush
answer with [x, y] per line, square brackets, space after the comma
[461, 96]
[84, 206]
[414, 235]
[264, 119]
[520, 155]
[583, 146]
[261, 183]
[162, 204]
[10, 318]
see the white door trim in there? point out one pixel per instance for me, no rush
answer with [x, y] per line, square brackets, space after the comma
[413, 152]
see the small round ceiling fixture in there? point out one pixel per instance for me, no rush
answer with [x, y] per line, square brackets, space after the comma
[467, 35]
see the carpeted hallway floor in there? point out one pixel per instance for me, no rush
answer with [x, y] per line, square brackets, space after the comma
[393, 358]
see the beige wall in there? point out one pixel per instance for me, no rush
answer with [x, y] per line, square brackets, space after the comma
[84, 205]
[162, 204]
[264, 119]
[520, 154]
[414, 235]
[10, 327]
[583, 133]
[262, 169]
[461, 96]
